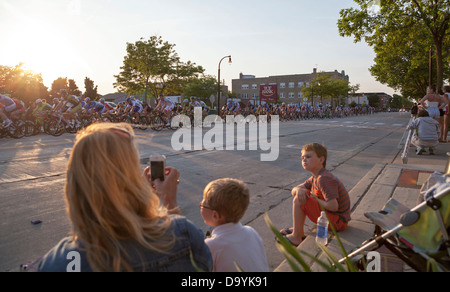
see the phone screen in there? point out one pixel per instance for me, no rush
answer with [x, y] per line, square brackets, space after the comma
[157, 169]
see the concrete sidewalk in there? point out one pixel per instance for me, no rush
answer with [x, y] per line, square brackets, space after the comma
[383, 182]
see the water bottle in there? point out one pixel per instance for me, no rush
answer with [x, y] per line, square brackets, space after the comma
[322, 229]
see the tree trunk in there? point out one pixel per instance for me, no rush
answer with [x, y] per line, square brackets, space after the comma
[439, 63]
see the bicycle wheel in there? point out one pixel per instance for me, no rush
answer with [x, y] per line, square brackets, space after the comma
[143, 123]
[17, 130]
[30, 129]
[157, 123]
[54, 127]
[3, 133]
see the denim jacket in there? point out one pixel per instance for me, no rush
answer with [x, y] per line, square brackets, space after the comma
[66, 256]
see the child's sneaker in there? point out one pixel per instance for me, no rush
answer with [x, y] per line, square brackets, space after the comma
[419, 151]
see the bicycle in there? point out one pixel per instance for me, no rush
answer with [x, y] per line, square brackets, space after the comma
[158, 122]
[16, 130]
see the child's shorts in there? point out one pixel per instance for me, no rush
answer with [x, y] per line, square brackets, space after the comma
[313, 211]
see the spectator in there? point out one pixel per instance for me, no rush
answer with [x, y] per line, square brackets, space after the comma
[427, 132]
[446, 115]
[414, 110]
[224, 204]
[118, 221]
[323, 189]
[433, 102]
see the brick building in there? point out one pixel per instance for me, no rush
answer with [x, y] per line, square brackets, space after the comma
[247, 87]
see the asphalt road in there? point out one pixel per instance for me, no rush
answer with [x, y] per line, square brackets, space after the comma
[32, 173]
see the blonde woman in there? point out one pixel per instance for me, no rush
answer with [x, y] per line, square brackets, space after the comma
[433, 102]
[120, 223]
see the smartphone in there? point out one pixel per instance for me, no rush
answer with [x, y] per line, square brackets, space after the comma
[158, 167]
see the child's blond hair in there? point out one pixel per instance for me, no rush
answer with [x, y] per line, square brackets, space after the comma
[229, 197]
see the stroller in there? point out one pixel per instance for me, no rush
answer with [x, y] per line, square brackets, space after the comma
[419, 237]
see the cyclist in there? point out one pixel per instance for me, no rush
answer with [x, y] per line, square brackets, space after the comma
[70, 105]
[95, 108]
[134, 107]
[165, 106]
[41, 107]
[7, 105]
[107, 109]
[194, 103]
[19, 110]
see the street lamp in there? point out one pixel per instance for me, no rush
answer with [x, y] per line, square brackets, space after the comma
[219, 87]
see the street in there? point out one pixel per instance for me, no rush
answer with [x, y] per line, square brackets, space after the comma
[32, 174]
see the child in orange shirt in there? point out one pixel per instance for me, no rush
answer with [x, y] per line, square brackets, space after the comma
[322, 189]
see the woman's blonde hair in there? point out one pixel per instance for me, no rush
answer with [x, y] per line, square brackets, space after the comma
[109, 201]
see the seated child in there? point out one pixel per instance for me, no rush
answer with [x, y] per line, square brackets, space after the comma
[224, 204]
[322, 189]
[427, 132]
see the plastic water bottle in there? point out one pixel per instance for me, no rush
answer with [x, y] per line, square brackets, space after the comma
[322, 229]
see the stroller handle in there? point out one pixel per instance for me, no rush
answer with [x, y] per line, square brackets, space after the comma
[429, 202]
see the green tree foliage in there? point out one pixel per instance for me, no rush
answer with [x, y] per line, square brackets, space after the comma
[202, 87]
[153, 66]
[58, 85]
[401, 32]
[73, 88]
[326, 86]
[399, 102]
[22, 84]
[91, 90]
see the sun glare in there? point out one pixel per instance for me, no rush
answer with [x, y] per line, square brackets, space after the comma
[36, 45]
[43, 46]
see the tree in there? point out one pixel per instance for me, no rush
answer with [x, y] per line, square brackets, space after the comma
[153, 66]
[91, 91]
[73, 88]
[22, 84]
[393, 21]
[327, 86]
[58, 85]
[402, 61]
[202, 87]
[374, 100]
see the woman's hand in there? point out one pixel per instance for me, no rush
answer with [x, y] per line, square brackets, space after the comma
[167, 189]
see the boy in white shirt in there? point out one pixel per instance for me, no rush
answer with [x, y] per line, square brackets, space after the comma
[231, 244]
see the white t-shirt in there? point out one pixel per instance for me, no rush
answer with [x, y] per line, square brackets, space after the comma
[232, 243]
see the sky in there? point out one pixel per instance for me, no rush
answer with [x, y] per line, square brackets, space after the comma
[87, 38]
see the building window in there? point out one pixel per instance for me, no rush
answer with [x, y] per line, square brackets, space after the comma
[245, 86]
[291, 84]
[254, 96]
[283, 85]
[291, 95]
[301, 84]
[300, 94]
[282, 95]
[244, 95]
[254, 86]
